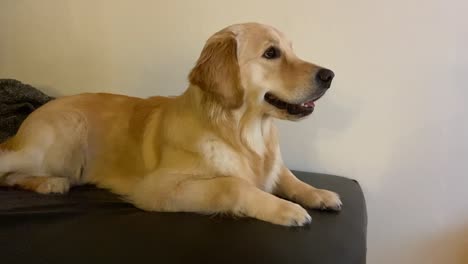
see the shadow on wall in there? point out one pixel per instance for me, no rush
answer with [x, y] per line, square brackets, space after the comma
[168, 78]
[150, 79]
[337, 117]
[51, 91]
[330, 120]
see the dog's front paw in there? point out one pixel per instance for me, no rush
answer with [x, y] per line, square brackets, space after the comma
[54, 185]
[323, 199]
[291, 214]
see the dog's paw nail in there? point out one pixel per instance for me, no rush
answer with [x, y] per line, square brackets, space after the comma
[54, 185]
[291, 214]
[324, 200]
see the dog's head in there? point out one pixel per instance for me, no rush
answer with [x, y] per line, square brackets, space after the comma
[254, 65]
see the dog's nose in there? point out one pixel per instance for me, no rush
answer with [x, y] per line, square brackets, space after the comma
[324, 78]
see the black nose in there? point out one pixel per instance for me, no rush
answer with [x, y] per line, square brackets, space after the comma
[324, 78]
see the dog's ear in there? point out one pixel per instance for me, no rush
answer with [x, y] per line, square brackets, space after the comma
[217, 70]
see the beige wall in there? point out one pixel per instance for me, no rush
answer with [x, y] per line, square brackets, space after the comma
[396, 118]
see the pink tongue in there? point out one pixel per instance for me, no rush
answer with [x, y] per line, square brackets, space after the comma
[310, 103]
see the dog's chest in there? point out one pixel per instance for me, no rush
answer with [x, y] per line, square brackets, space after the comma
[261, 170]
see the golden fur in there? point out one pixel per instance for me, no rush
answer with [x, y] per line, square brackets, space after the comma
[212, 149]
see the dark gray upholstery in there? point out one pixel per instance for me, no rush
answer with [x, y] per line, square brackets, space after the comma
[89, 225]
[17, 101]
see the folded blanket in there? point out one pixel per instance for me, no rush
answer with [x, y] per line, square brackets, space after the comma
[17, 101]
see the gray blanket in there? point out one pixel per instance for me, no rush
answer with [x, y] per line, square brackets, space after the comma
[17, 101]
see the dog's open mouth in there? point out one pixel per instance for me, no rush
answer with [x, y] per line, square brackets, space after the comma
[302, 109]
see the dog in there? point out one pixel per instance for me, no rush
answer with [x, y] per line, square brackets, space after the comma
[212, 149]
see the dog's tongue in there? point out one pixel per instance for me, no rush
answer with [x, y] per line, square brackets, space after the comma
[309, 103]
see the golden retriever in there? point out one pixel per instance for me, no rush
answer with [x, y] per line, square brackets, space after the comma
[212, 149]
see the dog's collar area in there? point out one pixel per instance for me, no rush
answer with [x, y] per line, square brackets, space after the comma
[302, 109]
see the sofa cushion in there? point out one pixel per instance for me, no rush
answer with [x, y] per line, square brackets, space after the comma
[89, 225]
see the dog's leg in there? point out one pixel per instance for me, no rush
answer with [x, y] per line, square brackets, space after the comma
[218, 195]
[292, 188]
[13, 168]
[10, 160]
[39, 184]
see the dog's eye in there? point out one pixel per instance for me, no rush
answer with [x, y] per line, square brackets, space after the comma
[271, 53]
